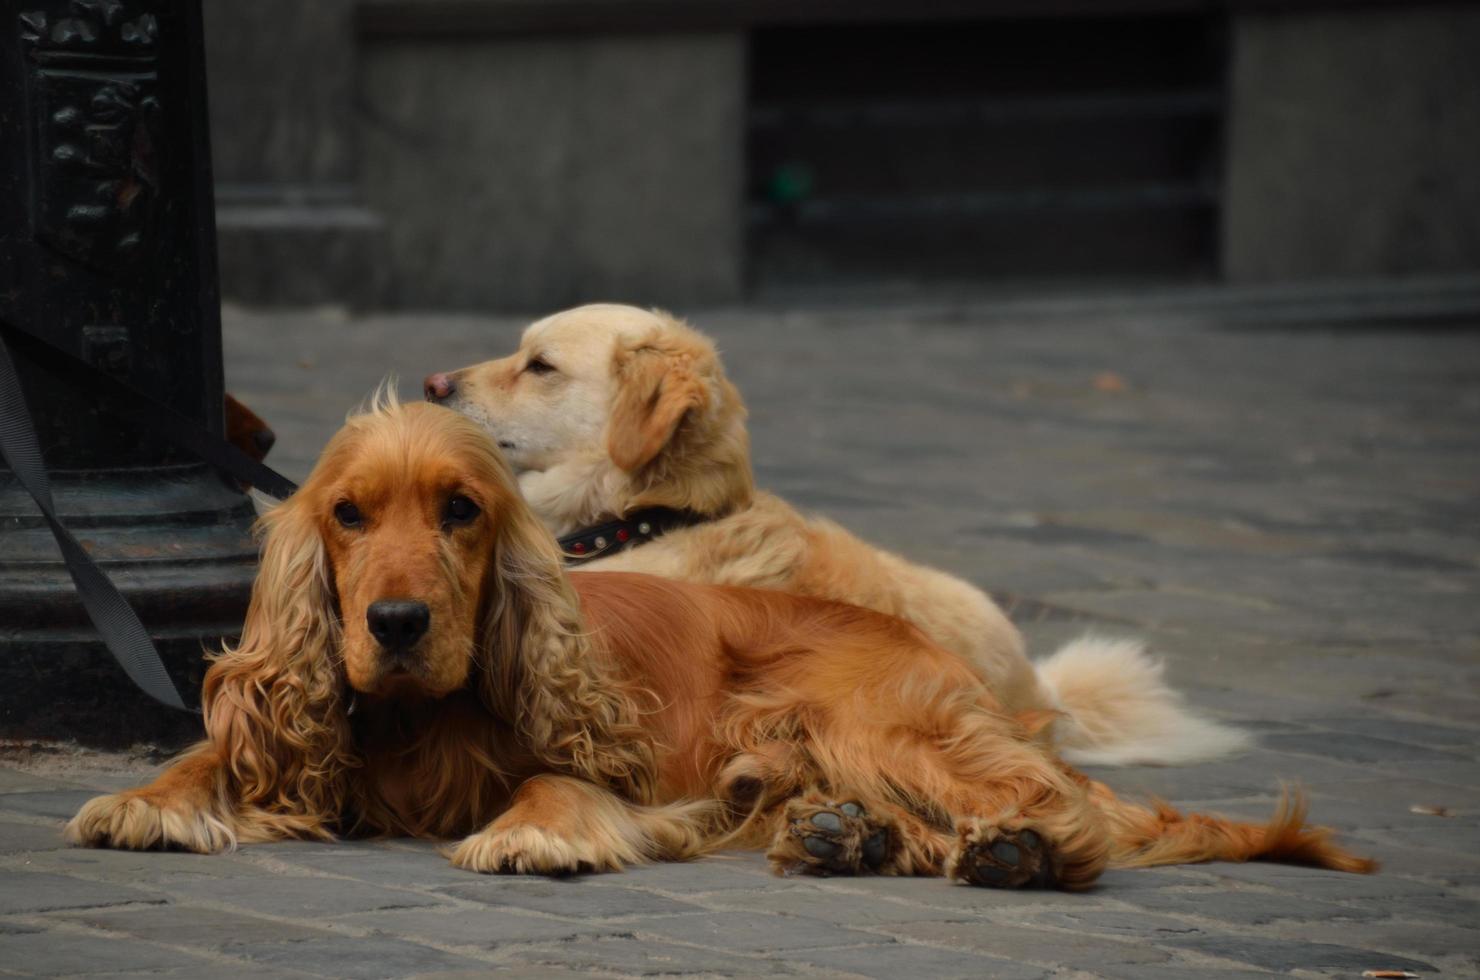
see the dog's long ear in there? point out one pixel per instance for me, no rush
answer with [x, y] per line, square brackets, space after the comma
[542, 672]
[274, 703]
[656, 388]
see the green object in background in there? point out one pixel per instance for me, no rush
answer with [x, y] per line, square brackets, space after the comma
[790, 183]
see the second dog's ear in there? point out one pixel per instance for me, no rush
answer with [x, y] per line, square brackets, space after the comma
[656, 388]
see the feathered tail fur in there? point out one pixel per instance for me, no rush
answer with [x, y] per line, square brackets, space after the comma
[1118, 711]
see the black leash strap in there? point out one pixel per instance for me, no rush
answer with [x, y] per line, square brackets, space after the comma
[115, 619]
[152, 417]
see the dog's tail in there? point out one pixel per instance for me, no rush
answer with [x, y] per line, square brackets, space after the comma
[1147, 836]
[1118, 711]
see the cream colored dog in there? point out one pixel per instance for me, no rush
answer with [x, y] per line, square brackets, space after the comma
[607, 409]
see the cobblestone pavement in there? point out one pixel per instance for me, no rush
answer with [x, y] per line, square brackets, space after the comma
[1289, 512]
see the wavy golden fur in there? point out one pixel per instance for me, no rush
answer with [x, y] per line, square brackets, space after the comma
[560, 722]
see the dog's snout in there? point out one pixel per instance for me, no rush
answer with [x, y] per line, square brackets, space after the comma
[397, 624]
[439, 386]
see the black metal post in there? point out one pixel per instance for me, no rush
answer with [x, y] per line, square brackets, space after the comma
[107, 247]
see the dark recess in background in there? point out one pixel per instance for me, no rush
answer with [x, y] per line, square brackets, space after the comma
[1005, 150]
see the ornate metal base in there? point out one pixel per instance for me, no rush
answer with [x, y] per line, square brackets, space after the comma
[176, 540]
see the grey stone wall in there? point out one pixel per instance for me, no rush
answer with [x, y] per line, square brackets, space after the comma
[1354, 143]
[424, 162]
[291, 223]
[532, 172]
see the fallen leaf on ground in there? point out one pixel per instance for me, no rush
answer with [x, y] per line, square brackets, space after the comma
[1389, 974]
[1431, 810]
[1109, 381]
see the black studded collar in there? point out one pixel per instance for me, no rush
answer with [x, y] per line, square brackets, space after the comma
[635, 529]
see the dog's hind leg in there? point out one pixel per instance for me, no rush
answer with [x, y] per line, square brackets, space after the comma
[821, 833]
[1019, 817]
[563, 825]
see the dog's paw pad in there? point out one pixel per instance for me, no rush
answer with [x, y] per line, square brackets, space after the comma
[821, 847]
[1005, 859]
[829, 838]
[827, 821]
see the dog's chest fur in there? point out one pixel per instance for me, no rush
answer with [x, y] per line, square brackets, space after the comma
[439, 768]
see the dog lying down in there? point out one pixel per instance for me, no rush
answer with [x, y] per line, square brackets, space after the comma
[606, 411]
[416, 661]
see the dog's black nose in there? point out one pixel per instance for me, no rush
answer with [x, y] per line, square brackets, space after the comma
[398, 623]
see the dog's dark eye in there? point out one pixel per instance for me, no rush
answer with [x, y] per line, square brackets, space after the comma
[538, 365]
[347, 514]
[459, 510]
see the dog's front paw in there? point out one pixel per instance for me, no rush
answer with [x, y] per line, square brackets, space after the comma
[522, 849]
[140, 820]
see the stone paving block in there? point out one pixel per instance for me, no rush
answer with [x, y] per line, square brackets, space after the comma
[1390, 791]
[1257, 726]
[145, 867]
[1020, 944]
[420, 868]
[948, 895]
[62, 804]
[34, 891]
[1462, 772]
[1423, 862]
[236, 971]
[16, 837]
[207, 928]
[16, 928]
[1248, 908]
[829, 905]
[1443, 838]
[1465, 740]
[369, 958]
[19, 781]
[1177, 971]
[485, 927]
[290, 897]
[1329, 885]
[1112, 883]
[1293, 954]
[720, 872]
[645, 957]
[1422, 908]
[519, 970]
[575, 897]
[48, 954]
[751, 932]
[896, 960]
[1112, 922]
[1426, 940]
[1344, 747]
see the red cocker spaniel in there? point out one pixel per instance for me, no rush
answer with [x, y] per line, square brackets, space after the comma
[416, 661]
